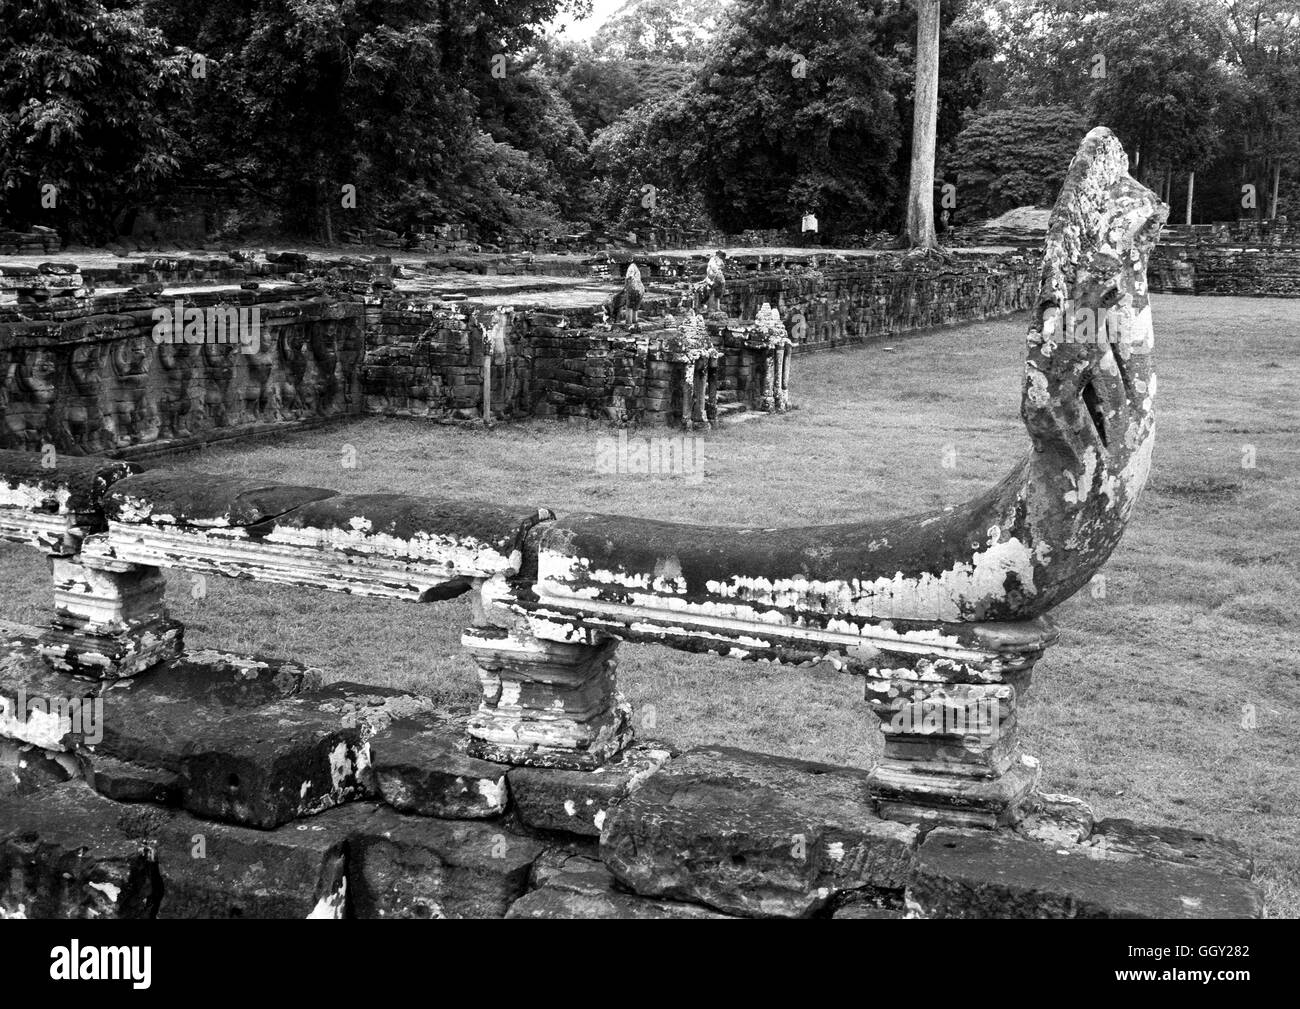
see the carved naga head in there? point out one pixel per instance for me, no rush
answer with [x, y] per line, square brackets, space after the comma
[1090, 383]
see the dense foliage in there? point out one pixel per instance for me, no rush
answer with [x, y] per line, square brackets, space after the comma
[734, 114]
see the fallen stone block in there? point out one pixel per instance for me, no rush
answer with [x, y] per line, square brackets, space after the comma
[244, 747]
[963, 873]
[1056, 819]
[419, 867]
[571, 885]
[578, 802]
[420, 766]
[418, 762]
[42, 707]
[24, 768]
[63, 854]
[215, 870]
[1123, 840]
[125, 782]
[755, 835]
[569, 869]
[860, 909]
[272, 764]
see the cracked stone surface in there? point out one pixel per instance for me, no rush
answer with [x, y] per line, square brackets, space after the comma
[754, 835]
[578, 802]
[985, 874]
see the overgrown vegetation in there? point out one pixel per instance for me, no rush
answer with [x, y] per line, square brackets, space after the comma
[739, 113]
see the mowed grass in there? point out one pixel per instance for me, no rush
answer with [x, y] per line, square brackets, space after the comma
[1171, 698]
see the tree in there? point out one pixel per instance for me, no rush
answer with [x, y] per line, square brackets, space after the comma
[644, 172]
[1163, 81]
[389, 97]
[671, 31]
[90, 99]
[793, 111]
[1014, 157]
[920, 196]
[1263, 102]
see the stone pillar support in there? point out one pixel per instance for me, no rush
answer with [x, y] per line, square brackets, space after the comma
[711, 404]
[110, 620]
[688, 392]
[698, 370]
[768, 403]
[782, 382]
[952, 752]
[545, 703]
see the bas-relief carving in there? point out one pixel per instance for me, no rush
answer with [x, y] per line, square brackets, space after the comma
[115, 392]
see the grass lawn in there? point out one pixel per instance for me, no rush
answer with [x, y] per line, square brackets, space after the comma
[1169, 699]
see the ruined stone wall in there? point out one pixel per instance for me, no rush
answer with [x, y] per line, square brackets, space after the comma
[427, 359]
[841, 303]
[1215, 269]
[83, 372]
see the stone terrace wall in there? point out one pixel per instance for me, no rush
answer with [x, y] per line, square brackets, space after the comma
[427, 359]
[1272, 272]
[82, 372]
[851, 302]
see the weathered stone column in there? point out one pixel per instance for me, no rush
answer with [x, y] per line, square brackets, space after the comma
[952, 752]
[545, 703]
[783, 377]
[698, 369]
[768, 402]
[688, 392]
[110, 619]
[711, 403]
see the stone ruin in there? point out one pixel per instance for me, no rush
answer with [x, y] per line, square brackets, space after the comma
[136, 359]
[543, 803]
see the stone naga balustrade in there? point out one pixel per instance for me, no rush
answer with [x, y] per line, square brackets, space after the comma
[944, 615]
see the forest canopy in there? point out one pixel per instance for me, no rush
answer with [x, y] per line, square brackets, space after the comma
[729, 115]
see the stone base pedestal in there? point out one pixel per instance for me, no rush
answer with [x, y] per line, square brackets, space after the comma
[952, 753]
[110, 620]
[545, 703]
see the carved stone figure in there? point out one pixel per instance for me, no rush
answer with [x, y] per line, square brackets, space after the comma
[351, 348]
[940, 610]
[261, 395]
[769, 337]
[30, 385]
[295, 394]
[716, 281]
[89, 426]
[137, 420]
[219, 400]
[324, 337]
[174, 406]
[633, 291]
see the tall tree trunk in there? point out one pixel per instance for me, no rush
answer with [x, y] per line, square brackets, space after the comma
[1277, 177]
[925, 114]
[1191, 188]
